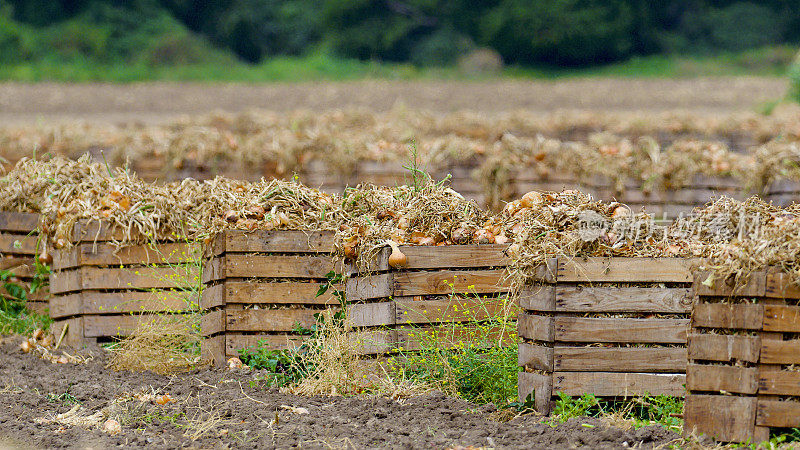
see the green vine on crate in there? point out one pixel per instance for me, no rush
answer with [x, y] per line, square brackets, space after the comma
[14, 316]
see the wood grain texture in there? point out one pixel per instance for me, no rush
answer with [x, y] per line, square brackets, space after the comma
[18, 244]
[742, 316]
[275, 241]
[728, 348]
[724, 418]
[634, 359]
[266, 320]
[779, 382]
[608, 384]
[782, 318]
[776, 413]
[735, 379]
[775, 351]
[571, 298]
[277, 266]
[17, 222]
[620, 330]
[625, 270]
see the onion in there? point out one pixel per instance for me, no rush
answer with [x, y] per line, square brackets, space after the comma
[231, 216]
[48, 340]
[500, 239]
[397, 258]
[530, 199]
[402, 223]
[112, 426]
[283, 218]
[427, 241]
[62, 360]
[45, 258]
[484, 236]
[164, 399]
[38, 334]
[350, 250]
[235, 363]
[26, 346]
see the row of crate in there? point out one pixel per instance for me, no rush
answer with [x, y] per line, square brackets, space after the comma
[612, 327]
[467, 179]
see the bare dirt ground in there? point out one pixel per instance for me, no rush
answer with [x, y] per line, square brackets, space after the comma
[157, 102]
[229, 409]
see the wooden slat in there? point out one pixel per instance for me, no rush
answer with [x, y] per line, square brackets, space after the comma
[781, 285]
[782, 318]
[109, 255]
[236, 342]
[534, 327]
[775, 351]
[295, 292]
[718, 347]
[74, 335]
[779, 382]
[139, 278]
[212, 349]
[780, 414]
[213, 270]
[410, 311]
[621, 330]
[212, 296]
[137, 302]
[625, 299]
[754, 286]
[724, 418]
[449, 282]
[625, 270]
[12, 262]
[547, 272]
[743, 316]
[277, 266]
[535, 356]
[18, 244]
[451, 256]
[65, 281]
[438, 337]
[94, 231]
[213, 323]
[538, 298]
[610, 384]
[540, 385]
[269, 320]
[373, 342]
[66, 258]
[65, 305]
[111, 326]
[370, 287]
[735, 379]
[238, 241]
[18, 222]
[635, 359]
[372, 314]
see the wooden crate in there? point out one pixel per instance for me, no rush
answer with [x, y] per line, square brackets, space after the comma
[259, 286]
[612, 327]
[19, 246]
[743, 348]
[100, 292]
[400, 307]
[671, 203]
[783, 192]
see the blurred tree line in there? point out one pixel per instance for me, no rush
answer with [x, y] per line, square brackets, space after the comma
[424, 32]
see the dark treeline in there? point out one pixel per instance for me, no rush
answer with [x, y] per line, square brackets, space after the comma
[424, 32]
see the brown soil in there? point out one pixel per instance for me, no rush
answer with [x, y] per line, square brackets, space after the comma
[157, 102]
[228, 409]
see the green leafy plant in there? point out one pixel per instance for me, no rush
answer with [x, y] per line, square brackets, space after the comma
[15, 318]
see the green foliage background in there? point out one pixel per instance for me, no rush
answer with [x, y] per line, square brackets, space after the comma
[423, 33]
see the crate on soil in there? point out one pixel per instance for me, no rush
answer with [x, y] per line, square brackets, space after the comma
[100, 291]
[19, 242]
[439, 295]
[612, 327]
[744, 347]
[260, 288]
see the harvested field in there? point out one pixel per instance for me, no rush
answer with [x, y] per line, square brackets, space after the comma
[217, 408]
